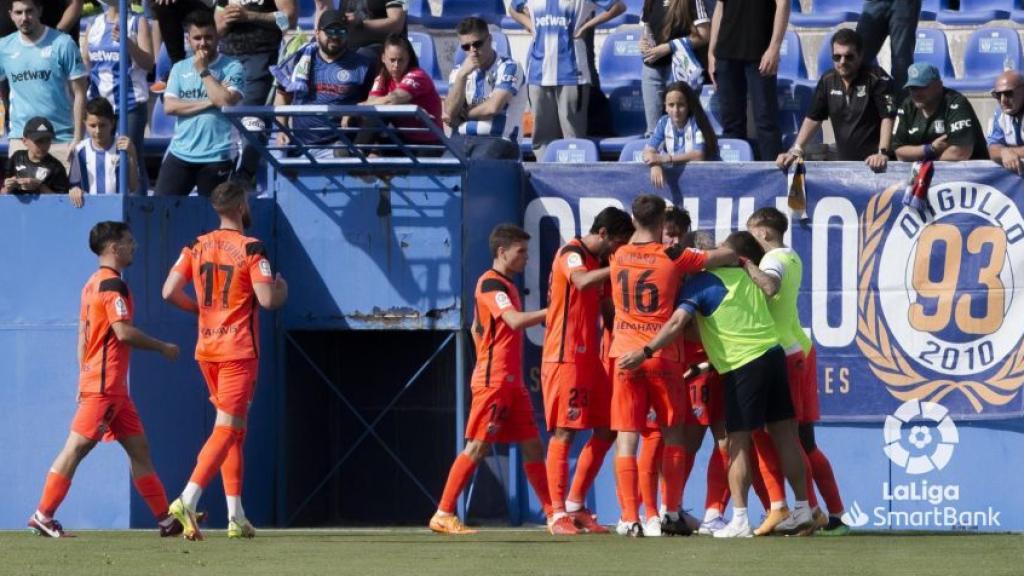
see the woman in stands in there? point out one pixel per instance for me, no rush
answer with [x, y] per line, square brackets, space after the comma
[671, 27]
[402, 81]
[101, 52]
[684, 134]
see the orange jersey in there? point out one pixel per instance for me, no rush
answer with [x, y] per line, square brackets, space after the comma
[499, 349]
[223, 266]
[572, 327]
[105, 301]
[645, 282]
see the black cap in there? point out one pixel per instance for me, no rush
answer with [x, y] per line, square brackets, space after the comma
[332, 19]
[37, 127]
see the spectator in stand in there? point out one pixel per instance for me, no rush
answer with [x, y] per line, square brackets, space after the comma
[43, 69]
[1005, 144]
[743, 58]
[402, 81]
[171, 15]
[322, 72]
[62, 15]
[936, 123]
[101, 54]
[370, 22]
[896, 19]
[33, 170]
[202, 150]
[251, 32]
[558, 70]
[857, 97]
[486, 97]
[94, 167]
[684, 134]
[666, 22]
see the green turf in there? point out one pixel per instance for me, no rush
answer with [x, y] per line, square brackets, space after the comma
[501, 552]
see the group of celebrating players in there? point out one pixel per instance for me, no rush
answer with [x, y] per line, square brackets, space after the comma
[621, 358]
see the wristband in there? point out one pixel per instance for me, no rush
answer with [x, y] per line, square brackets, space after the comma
[648, 353]
[204, 73]
[929, 152]
[281, 19]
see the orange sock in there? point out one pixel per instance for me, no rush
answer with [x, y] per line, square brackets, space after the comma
[718, 481]
[537, 475]
[756, 481]
[54, 491]
[152, 491]
[826, 480]
[462, 470]
[587, 467]
[232, 468]
[812, 498]
[768, 461]
[212, 455]
[558, 472]
[626, 476]
[673, 470]
[649, 471]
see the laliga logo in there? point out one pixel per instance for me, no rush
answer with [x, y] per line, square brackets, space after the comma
[935, 291]
[920, 437]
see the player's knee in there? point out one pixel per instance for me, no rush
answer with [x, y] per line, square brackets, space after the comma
[806, 432]
[476, 449]
[532, 450]
[564, 434]
[604, 434]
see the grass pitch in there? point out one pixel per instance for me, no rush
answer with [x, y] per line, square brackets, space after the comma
[499, 552]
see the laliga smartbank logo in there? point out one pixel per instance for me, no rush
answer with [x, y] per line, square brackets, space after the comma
[920, 438]
[936, 292]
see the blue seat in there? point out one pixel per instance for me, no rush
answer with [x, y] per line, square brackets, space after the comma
[735, 150]
[791, 57]
[570, 151]
[709, 101]
[989, 52]
[977, 12]
[929, 10]
[794, 101]
[620, 63]
[634, 8]
[161, 125]
[163, 64]
[931, 47]
[454, 11]
[498, 41]
[826, 13]
[423, 45]
[627, 110]
[633, 151]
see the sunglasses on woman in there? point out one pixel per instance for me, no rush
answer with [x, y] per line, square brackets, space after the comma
[478, 44]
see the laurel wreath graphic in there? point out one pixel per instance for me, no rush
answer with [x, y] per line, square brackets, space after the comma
[875, 341]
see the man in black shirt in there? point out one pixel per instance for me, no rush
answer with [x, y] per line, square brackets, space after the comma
[857, 97]
[936, 123]
[743, 55]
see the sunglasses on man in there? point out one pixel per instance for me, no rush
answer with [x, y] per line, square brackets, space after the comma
[334, 32]
[999, 95]
[477, 45]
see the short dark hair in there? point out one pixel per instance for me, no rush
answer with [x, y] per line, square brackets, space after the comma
[649, 211]
[744, 244]
[472, 25]
[848, 37]
[199, 19]
[105, 233]
[615, 221]
[769, 217]
[36, 3]
[698, 239]
[227, 196]
[678, 217]
[99, 106]
[505, 235]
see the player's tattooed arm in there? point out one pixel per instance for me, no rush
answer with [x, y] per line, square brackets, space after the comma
[517, 320]
[174, 292]
[668, 334]
[768, 283]
[126, 332]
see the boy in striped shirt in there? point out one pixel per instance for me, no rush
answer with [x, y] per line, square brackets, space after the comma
[94, 165]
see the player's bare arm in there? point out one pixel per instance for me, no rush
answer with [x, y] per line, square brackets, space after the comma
[668, 334]
[517, 320]
[126, 332]
[174, 292]
[721, 256]
[271, 296]
[583, 280]
[80, 350]
[768, 283]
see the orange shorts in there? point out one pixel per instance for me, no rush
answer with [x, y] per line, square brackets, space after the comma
[577, 395]
[795, 375]
[231, 384]
[707, 400]
[501, 414]
[106, 418]
[811, 411]
[657, 384]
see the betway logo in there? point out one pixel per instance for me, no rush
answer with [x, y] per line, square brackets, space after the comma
[549, 20]
[105, 56]
[43, 75]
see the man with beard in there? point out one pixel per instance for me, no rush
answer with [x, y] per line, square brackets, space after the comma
[936, 123]
[1005, 145]
[231, 274]
[323, 72]
[857, 97]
